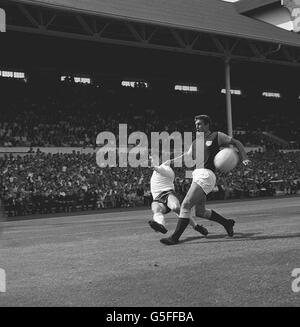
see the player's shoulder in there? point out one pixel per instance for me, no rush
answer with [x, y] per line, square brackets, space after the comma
[223, 138]
[214, 135]
[165, 166]
[221, 134]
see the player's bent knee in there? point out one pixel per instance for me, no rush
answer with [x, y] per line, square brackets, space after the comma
[176, 210]
[202, 213]
[174, 207]
[185, 210]
[187, 204]
[156, 208]
[185, 213]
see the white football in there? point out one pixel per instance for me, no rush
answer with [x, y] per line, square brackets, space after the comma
[226, 159]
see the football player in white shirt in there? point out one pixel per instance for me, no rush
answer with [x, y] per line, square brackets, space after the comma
[165, 200]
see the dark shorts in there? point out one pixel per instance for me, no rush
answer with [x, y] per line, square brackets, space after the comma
[163, 198]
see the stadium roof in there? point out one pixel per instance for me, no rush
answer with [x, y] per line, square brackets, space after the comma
[212, 16]
[244, 6]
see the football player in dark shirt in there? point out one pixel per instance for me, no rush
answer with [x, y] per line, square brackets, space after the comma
[204, 179]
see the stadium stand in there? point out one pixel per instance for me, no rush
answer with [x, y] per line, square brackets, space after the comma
[72, 115]
[67, 114]
[46, 183]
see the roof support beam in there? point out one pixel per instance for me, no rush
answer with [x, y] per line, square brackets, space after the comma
[233, 47]
[152, 34]
[257, 53]
[187, 50]
[84, 25]
[218, 44]
[272, 50]
[94, 25]
[103, 29]
[289, 54]
[144, 32]
[191, 45]
[50, 21]
[28, 15]
[134, 32]
[178, 38]
[41, 17]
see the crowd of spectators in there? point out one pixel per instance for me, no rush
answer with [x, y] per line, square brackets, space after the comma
[46, 183]
[70, 115]
[73, 115]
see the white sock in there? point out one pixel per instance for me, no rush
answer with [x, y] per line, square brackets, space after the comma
[159, 218]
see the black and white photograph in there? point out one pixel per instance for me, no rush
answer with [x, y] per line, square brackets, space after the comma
[150, 156]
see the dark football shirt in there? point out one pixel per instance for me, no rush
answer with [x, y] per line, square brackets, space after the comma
[212, 144]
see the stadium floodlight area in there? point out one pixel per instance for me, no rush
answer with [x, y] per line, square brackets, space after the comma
[271, 95]
[135, 84]
[12, 74]
[186, 88]
[86, 80]
[234, 92]
[77, 79]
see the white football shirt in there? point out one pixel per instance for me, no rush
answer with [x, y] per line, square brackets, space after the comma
[162, 180]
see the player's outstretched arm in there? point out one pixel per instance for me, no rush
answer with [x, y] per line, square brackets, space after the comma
[224, 139]
[242, 151]
[158, 168]
[188, 154]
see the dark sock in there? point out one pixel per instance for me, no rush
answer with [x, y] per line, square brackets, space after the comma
[180, 228]
[218, 218]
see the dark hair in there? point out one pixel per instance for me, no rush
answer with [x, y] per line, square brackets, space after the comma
[206, 119]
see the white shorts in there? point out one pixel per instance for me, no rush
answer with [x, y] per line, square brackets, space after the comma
[205, 178]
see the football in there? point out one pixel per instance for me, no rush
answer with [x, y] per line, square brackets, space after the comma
[226, 159]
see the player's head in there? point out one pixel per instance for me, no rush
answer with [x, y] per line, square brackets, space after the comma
[202, 123]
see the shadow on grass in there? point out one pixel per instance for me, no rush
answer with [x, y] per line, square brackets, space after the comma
[238, 237]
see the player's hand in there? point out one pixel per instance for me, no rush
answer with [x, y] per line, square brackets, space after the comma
[246, 162]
